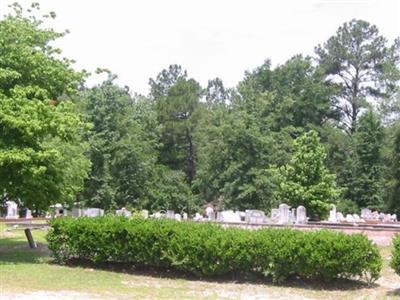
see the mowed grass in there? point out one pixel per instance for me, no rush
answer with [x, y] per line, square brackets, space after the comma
[25, 271]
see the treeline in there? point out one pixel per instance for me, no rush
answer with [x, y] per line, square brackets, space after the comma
[312, 131]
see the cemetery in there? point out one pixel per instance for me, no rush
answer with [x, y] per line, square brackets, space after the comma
[269, 170]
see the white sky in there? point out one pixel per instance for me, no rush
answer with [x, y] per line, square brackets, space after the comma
[209, 38]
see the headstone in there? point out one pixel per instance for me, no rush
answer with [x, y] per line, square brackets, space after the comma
[28, 214]
[356, 218]
[275, 215]
[185, 216]
[332, 214]
[170, 214]
[198, 217]
[339, 217]
[254, 216]
[229, 216]
[394, 218]
[210, 213]
[178, 217]
[93, 212]
[124, 213]
[284, 214]
[76, 212]
[349, 218]
[301, 215]
[12, 210]
[366, 214]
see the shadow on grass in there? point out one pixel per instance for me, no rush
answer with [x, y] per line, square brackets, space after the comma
[258, 279]
[14, 251]
[395, 292]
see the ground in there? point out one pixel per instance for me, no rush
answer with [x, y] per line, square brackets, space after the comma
[30, 274]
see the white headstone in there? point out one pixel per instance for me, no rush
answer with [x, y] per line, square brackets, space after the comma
[349, 218]
[254, 217]
[28, 214]
[301, 215]
[198, 217]
[178, 217]
[93, 212]
[124, 213]
[230, 216]
[170, 214]
[210, 213]
[366, 214]
[284, 214]
[275, 214]
[339, 217]
[185, 216]
[332, 214]
[12, 210]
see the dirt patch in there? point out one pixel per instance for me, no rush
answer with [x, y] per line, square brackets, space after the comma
[59, 295]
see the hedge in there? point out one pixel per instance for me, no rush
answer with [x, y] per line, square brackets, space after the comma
[395, 262]
[211, 250]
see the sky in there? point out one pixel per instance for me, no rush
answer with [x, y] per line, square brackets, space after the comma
[209, 38]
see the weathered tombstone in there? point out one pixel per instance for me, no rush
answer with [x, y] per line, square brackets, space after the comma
[393, 218]
[366, 214]
[210, 213]
[198, 217]
[254, 217]
[349, 218]
[275, 215]
[124, 213]
[178, 217]
[332, 214]
[12, 210]
[93, 212]
[356, 218]
[185, 216]
[230, 217]
[301, 215]
[170, 214]
[284, 214]
[339, 217]
[76, 212]
[28, 214]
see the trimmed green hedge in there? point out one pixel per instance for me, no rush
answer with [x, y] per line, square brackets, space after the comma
[211, 250]
[395, 262]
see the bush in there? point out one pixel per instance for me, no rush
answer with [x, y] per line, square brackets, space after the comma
[395, 262]
[211, 250]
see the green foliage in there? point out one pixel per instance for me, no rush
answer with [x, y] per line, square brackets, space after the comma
[236, 149]
[305, 179]
[41, 151]
[210, 250]
[364, 186]
[395, 262]
[178, 109]
[362, 65]
[123, 147]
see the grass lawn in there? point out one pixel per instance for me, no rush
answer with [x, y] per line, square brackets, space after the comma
[30, 274]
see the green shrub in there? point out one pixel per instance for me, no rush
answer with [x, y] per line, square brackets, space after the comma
[211, 250]
[395, 262]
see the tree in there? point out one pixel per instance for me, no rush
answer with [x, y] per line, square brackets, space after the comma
[364, 185]
[123, 150]
[234, 156]
[305, 180]
[42, 157]
[298, 86]
[178, 107]
[362, 65]
[392, 188]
